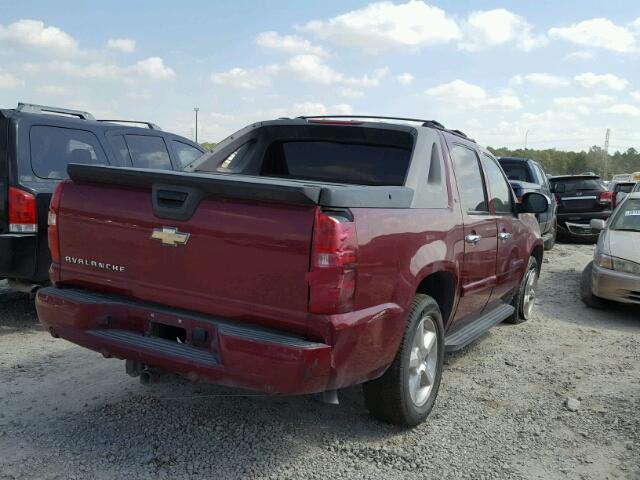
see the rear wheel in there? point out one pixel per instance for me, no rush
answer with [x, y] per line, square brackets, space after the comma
[405, 394]
[524, 300]
[589, 299]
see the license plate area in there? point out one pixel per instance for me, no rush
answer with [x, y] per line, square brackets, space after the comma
[182, 330]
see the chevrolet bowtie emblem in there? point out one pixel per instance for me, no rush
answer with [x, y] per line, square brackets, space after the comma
[170, 236]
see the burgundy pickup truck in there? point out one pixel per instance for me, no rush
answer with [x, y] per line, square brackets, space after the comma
[300, 256]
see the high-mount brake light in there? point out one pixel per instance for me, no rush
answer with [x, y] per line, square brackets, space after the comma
[23, 214]
[52, 220]
[334, 255]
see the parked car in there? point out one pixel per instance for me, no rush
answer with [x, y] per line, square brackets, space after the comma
[621, 177]
[36, 145]
[614, 273]
[299, 256]
[526, 175]
[580, 199]
[636, 188]
[620, 190]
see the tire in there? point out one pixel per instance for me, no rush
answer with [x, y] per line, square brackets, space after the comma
[391, 397]
[522, 312]
[548, 245]
[589, 299]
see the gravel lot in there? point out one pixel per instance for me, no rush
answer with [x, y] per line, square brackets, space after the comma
[66, 413]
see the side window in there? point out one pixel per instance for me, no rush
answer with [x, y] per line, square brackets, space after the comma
[436, 195]
[123, 159]
[186, 153]
[501, 198]
[53, 148]
[148, 151]
[469, 178]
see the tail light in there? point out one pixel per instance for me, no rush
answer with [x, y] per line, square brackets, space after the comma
[607, 198]
[332, 277]
[558, 199]
[23, 214]
[52, 220]
[519, 199]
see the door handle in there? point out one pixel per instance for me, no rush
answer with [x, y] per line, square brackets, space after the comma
[504, 235]
[472, 238]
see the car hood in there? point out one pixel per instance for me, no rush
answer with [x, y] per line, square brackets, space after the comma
[624, 245]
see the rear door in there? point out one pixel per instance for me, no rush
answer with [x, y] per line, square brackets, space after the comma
[478, 276]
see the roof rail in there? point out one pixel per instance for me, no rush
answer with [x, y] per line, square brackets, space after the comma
[425, 123]
[33, 108]
[149, 125]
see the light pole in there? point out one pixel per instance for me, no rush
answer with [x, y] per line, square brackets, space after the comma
[526, 136]
[196, 110]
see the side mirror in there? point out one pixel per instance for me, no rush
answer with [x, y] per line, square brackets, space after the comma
[598, 224]
[533, 202]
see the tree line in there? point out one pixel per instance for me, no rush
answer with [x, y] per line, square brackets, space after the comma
[559, 162]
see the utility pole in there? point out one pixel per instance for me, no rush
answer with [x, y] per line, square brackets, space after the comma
[196, 136]
[605, 153]
[526, 136]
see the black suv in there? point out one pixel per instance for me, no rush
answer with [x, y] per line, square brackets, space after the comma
[580, 198]
[526, 175]
[36, 145]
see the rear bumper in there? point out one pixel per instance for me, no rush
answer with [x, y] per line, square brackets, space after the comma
[234, 354]
[617, 286]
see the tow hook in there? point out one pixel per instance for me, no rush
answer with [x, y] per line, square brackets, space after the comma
[146, 377]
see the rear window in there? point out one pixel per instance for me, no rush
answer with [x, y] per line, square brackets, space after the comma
[517, 171]
[337, 162]
[576, 184]
[624, 187]
[53, 148]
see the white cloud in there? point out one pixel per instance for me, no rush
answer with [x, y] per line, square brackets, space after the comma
[635, 24]
[152, 68]
[624, 109]
[384, 26]
[590, 100]
[351, 92]
[405, 79]
[306, 67]
[33, 35]
[607, 80]
[597, 32]
[468, 95]
[310, 108]
[124, 45]
[290, 44]
[246, 78]
[636, 95]
[8, 80]
[491, 28]
[541, 79]
[580, 55]
[54, 90]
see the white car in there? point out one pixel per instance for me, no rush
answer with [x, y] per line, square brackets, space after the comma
[614, 273]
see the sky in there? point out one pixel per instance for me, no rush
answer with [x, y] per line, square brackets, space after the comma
[562, 71]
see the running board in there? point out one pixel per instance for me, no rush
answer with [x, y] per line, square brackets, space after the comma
[467, 334]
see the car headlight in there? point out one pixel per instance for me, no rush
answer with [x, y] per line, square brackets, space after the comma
[626, 266]
[603, 261]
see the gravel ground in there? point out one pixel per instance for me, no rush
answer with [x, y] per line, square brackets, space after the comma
[556, 397]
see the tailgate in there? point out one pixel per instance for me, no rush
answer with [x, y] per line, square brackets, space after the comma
[236, 258]
[580, 201]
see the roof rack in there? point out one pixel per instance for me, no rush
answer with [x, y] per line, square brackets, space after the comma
[425, 123]
[149, 125]
[34, 108]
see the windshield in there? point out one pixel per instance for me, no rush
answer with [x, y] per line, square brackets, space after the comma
[628, 216]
